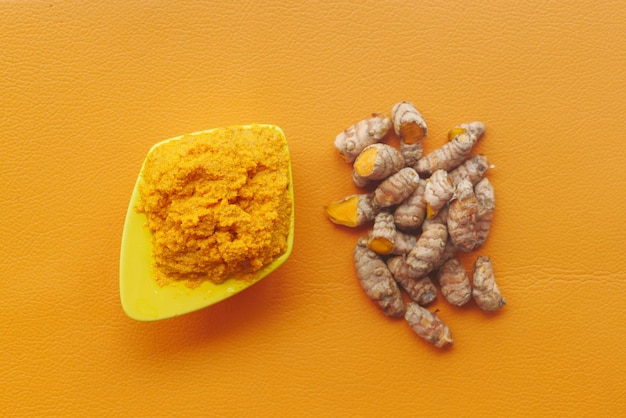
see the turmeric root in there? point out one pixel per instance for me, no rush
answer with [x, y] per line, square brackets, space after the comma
[377, 281]
[411, 128]
[386, 239]
[442, 216]
[355, 138]
[473, 128]
[428, 249]
[438, 191]
[354, 210]
[410, 214]
[421, 290]
[403, 243]
[398, 267]
[376, 162]
[455, 283]
[485, 291]
[472, 169]
[452, 153]
[408, 122]
[395, 188]
[427, 325]
[411, 152]
[486, 205]
[383, 235]
[462, 217]
[448, 252]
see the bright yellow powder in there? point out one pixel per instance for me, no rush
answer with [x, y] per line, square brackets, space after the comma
[218, 204]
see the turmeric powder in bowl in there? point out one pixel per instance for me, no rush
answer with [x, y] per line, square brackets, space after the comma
[218, 204]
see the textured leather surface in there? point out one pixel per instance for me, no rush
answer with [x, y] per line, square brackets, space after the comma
[86, 89]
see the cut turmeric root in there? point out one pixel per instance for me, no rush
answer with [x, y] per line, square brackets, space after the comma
[377, 281]
[408, 122]
[386, 239]
[410, 126]
[354, 210]
[376, 162]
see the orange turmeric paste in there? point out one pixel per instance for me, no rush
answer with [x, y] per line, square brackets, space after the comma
[218, 204]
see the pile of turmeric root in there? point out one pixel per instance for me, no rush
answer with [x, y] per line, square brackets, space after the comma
[423, 210]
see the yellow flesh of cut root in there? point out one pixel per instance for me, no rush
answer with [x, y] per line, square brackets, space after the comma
[344, 212]
[380, 245]
[454, 132]
[411, 132]
[366, 162]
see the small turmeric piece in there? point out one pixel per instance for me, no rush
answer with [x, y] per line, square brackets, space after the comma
[408, 122]
[438, 191]
[366, 132]
[386, 239]
[472, 169]
[376, 162]
[485, 290]
[410, 126]
[395, 188]
[427, 325]
[455, 282]
[354, 210]
[473, 128]
[452, 153]
[428, 249]
[377, 281]
[486, 205]
[410, 214]
[462, 217]
[421, 290]
[383, 234]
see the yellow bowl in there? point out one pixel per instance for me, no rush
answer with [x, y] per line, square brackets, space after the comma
[145, 300]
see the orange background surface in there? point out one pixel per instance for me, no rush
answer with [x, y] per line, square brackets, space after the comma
[87, 89]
